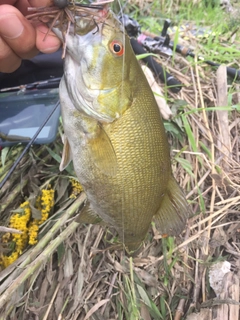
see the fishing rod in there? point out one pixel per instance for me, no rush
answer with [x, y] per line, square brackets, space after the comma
[46, 84]
[133, 29]
[162, 45]
[231, 72]
[173, 84]
[2, 183]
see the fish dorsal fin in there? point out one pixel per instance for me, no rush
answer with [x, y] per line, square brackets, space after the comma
[174, 210]
[102, 152]
[66, 155]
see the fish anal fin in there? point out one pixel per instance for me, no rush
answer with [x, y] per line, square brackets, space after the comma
[102, 152]
[66, 155]
[174, 211]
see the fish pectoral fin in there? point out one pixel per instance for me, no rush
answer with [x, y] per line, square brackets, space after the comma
[173, 212]
[103, 154]
[66, 155]
[87, 215]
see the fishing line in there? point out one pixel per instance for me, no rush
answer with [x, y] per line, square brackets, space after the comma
[123, 69]
[122, 8]
[28, 146]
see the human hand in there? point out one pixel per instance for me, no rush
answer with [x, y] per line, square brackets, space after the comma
[21, 38]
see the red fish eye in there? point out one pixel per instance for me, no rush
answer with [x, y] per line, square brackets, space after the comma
[117, 48]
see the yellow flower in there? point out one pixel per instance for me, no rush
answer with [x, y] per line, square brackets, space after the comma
[6, 237]
[33, 233]
[44, 203]
[76, 188]
[47, 202]
[23, 221]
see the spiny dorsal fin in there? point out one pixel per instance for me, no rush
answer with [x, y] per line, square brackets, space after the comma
[174, 210]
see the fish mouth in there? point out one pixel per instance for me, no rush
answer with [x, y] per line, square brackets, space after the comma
[90, 21]
[81, 16]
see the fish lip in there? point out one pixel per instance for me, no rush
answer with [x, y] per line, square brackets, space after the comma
[71, 35]
[77, 28]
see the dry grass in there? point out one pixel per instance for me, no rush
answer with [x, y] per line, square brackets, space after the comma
[75, 271]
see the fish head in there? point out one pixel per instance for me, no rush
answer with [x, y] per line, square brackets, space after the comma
[94, 49]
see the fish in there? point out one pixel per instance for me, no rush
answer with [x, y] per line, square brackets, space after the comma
[114, 134]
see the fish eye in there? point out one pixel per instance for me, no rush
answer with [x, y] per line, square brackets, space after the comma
[117, 48]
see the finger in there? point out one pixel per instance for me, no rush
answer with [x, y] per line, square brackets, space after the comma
[46, 43]
[23, 5]
[9, 61]
[17, 32]
[11, 2]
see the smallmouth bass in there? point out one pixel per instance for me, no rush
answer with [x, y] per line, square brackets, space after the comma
[115, 135]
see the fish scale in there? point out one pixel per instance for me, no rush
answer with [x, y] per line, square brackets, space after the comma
[116, 139]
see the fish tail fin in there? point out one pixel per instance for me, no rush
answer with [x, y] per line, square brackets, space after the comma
[173, 212]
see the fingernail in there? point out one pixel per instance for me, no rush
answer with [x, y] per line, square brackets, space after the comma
[10, 26]
[50, 49]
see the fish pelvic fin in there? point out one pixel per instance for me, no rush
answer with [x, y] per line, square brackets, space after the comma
[103, 153]
[174, 211]
[87, 215]
[66, 155]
